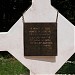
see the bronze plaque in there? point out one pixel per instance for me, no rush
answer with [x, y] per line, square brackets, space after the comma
[40, 39]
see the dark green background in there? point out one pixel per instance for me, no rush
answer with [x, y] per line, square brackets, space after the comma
[12, 10]
[66, 8]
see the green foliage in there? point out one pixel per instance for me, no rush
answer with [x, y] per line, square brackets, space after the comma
[67, 68]
[5, 55]
[12, 67]
[72, 57]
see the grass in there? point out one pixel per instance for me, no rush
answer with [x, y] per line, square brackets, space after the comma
[12, 66]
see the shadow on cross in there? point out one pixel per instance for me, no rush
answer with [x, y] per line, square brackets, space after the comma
[42, 58]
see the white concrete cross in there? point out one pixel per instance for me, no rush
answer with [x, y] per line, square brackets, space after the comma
[40, 11]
